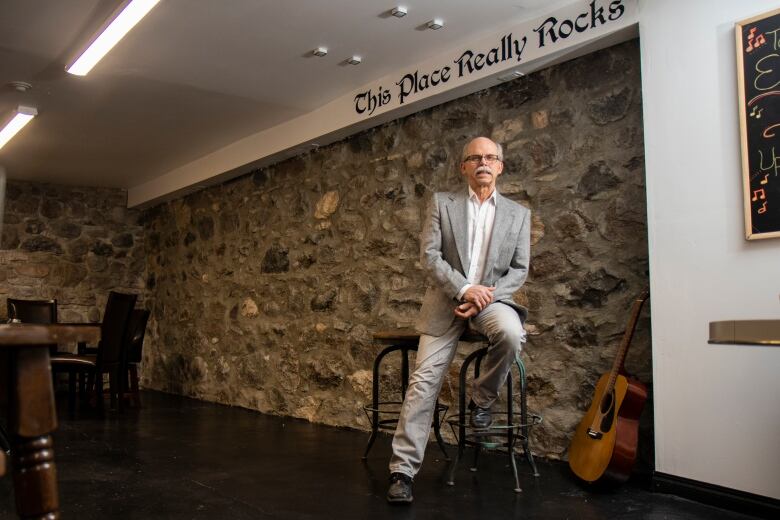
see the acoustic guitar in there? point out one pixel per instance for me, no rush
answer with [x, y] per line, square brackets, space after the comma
[604, 446]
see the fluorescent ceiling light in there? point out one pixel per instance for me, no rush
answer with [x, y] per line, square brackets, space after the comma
[22, 117]
[320, 51]
[399, 12]
[354, 60]
[116, 30]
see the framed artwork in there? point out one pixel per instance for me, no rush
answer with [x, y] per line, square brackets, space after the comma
[758, 71]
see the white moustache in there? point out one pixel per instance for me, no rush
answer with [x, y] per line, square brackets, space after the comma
[484, 169]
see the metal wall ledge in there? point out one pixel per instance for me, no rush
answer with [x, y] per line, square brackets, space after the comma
[745, 332]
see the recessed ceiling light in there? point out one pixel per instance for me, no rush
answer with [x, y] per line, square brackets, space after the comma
[320, 51]
[399, 11]
[436, 24]
[354, 60]
[19, 86]
[130, 15]
[22, 117]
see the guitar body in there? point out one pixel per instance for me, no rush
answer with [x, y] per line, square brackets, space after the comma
[605, 443]
[589, 457]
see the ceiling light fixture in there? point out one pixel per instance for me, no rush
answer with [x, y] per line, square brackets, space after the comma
[436, 24]
[354, 60]
[320, 51]
[19, 86]
[130, 15]
[22, 117]
[399, 11]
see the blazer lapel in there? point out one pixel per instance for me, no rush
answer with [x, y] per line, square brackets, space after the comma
[501, 226]
[458, 214]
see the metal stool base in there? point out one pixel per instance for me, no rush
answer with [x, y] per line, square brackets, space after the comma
[512, 429]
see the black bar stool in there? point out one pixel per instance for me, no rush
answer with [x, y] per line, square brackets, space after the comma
[383, 415]
[506, 430]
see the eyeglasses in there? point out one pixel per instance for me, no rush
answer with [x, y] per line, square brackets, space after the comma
[489, 158]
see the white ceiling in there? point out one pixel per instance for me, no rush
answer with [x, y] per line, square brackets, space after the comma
[197, 75]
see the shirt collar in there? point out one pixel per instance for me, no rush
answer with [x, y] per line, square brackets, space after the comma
[473, 195]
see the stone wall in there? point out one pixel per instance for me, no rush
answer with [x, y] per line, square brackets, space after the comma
[72, 244]
[265, 290]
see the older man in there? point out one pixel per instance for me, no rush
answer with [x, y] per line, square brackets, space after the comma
[475, 249]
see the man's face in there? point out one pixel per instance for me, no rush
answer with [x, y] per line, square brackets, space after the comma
[477, 167]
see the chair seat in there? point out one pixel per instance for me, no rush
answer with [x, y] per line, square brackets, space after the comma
[74, 360]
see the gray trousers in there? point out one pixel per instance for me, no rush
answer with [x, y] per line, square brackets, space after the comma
[504, 330]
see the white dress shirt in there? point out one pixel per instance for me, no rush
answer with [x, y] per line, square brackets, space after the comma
[480, 226]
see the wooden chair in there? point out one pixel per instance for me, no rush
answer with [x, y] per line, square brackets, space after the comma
[32, 311]
[135, 344]
[42, 312]
[109, 357]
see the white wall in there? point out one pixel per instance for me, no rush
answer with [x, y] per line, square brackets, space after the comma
[717, 416]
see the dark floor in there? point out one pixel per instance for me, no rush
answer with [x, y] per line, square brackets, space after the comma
[178, 458]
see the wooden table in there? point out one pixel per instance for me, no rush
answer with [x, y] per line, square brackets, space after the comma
[27, 394]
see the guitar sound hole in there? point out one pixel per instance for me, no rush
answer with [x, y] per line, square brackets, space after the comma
[607, 409]
[606, 403]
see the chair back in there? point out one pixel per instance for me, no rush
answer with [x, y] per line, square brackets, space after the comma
[116, 318]
[42, 312]
[136, 332]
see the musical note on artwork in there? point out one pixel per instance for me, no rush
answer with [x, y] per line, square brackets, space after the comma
[762, 209]
[754, 42]
[758, 194]
[755, 114]
[766, 133]
[764, 181]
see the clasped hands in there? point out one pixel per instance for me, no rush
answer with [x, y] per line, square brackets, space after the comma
[476, 298]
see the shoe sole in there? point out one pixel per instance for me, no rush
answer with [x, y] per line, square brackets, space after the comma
[400, 500]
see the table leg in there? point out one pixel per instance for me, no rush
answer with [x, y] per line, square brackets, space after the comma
[33, 418]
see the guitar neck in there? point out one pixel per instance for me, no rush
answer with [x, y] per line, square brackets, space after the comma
[620, 358]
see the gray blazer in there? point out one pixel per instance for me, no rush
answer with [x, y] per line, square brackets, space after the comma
[444, 253]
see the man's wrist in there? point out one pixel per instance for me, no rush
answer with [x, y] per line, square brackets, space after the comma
[462, 291]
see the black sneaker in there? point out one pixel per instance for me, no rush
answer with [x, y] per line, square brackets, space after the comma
[481, 418]
[400, 491]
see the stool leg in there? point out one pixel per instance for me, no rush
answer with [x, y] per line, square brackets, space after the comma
[524, 417]
[404, 371]
[510, 431]
[477, 449]
[518, 489]
[375, 396]
[371, 440]
[374, 405]
[454, 465]
[437, 431]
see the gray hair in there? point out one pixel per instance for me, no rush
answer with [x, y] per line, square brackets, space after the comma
[499, 151]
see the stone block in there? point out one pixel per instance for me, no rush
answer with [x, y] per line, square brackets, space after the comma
[327, 205]
[32, 270]
[540, 119]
